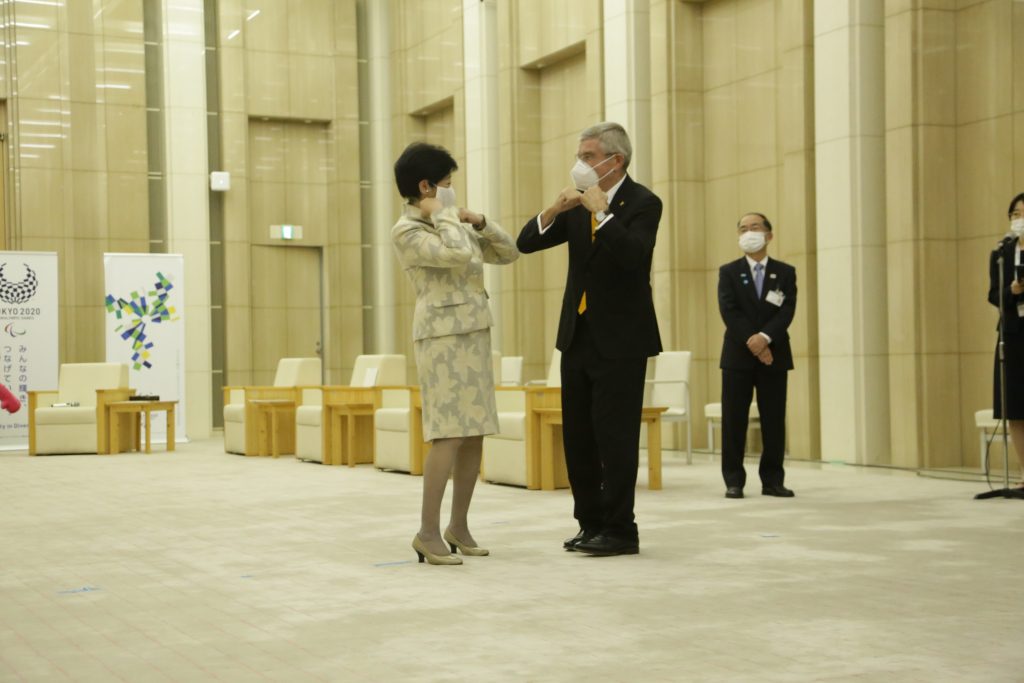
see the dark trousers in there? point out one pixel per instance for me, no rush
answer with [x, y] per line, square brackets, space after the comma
[602, 400]
[737, 390]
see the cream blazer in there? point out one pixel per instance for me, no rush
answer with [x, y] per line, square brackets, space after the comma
[445, 260]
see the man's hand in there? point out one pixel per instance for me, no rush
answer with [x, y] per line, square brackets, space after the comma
[429, 206]
[471, 217]
[595, 199]
[766, 356]
[567, 199]
[757, 343]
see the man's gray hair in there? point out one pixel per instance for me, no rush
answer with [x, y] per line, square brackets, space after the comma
[613, 139]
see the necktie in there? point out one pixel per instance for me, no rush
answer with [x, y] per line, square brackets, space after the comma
[758, 279]
[593, 234]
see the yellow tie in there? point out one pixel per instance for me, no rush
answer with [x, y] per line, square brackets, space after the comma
[593, 234]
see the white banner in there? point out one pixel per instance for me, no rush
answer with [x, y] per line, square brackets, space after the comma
[28, 329]
[145, 309]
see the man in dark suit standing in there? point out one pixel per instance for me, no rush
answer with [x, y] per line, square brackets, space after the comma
[757, 299]
[606, 332]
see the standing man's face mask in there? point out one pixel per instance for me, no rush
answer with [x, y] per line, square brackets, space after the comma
[1017, 227]
[752, 241]
[446, 196]
[584, 176]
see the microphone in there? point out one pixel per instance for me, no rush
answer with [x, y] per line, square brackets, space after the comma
[1007, 238]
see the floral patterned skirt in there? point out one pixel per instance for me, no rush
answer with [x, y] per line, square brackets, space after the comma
[457, 383]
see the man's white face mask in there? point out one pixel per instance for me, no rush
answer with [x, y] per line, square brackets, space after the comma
[752, 241]
[584, 176]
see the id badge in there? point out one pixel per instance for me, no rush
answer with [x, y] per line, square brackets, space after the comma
[1020, 310]
[776, 297]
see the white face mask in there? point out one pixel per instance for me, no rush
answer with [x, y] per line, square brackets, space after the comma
[1017, 227]
[584, 176]
[752, 242]
[446, 196]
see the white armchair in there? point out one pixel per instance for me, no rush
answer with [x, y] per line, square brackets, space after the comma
[78, 423]
[240, 428]
[369, 373]
[670, 387]
[511, 371]
[513, 455]
[713, 415]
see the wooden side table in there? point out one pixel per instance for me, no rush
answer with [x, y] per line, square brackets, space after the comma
[117, 409]
[271, 434]
[553, 475]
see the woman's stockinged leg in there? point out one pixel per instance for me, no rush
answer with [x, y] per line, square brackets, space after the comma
[467, 471]
[436, 470]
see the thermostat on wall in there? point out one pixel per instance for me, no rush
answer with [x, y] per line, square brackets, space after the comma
[220, 181]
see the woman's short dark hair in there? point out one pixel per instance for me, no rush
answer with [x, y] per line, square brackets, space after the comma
[1016, 200]
[422, 161]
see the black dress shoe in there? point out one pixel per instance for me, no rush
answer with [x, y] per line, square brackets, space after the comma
[603, 545]
[778, 490]
[733, 492]
[583, 535]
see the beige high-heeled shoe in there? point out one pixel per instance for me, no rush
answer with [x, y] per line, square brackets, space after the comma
[422, 552]
[473, 551]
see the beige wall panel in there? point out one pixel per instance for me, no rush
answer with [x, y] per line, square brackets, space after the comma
[900, 184]
[937, 89]
[122, 18]
[938, 168]
[85, 334]
[755, 37]
[545, 28]
[124, 78]
[311, 87]
[89, 196]
[720, 123]
[686, 217]
[42, 205]
[126, 139]
[84, 282]
[720, 32]
[39, 121]
[266, 77]
[310, 27]
[238, 278]
[721, 212]
[85, 68]
[266, 25]
[900, 70]
[38, 55]
[232, 77]
[984, 175]
[941, 425]
[984, 60]
[86, 137]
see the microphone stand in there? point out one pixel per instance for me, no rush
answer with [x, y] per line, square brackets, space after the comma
[1006, 491]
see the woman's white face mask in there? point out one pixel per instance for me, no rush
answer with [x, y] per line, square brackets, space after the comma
[1017, 227]
[584, 176]
[446, 196]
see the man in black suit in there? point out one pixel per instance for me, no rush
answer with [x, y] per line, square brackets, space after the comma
[606, 332]
[757, 299]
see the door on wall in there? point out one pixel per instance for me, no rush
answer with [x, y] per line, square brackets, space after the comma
[287, 319]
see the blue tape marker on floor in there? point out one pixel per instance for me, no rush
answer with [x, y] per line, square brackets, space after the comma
[83, 589]
[392, 564]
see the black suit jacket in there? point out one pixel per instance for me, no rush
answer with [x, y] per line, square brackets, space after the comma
[614, 269]
[746, 314]
[1014, 323]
